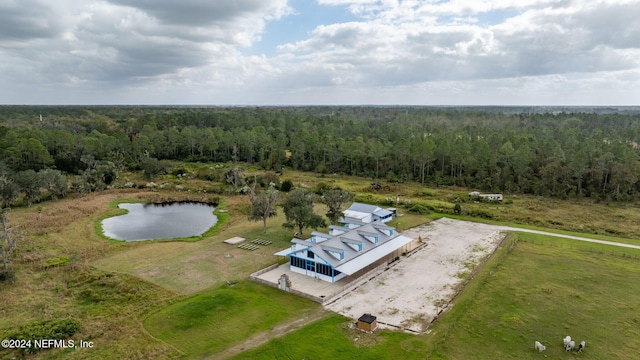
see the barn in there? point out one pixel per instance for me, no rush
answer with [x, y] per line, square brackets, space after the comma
[346, 250]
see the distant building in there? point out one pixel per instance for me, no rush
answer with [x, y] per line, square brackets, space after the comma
[476, 194]
[358, 214]
[364, 241]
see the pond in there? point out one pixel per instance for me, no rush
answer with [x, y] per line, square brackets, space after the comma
[160, 221]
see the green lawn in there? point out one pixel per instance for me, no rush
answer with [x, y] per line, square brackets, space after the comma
[332, 338]
[215, 319]
[544, 290]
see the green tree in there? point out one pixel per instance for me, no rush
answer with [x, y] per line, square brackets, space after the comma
[152, 167]
[29, 182]
[423, 150]
[263, 206]
[55, 182]
[334, 199]
[9, 191]
[378, 150]
[298, 210]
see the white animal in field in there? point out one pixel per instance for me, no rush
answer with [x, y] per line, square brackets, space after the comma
[566, 340]
[570, 345]
[538, 346]
[582, 345]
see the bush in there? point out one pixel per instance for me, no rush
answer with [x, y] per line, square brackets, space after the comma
[481, 213]
[419, 209]
[271, 178]
[57, 329]
[178, 172]
[7, 276]
[286, 186]
[321, 188]
[56, 261]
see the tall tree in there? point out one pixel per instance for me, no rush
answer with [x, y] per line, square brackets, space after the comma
[29, 182]
[334, 199]
[9, 191]
[263, 206]
[377, 150]
[298, 210]
[55, 182]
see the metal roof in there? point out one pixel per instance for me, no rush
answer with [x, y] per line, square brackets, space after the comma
[363, 208]
[353, 259]
[358, 215]
[373, 255]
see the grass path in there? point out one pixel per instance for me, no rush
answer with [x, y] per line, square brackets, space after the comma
[275, 332]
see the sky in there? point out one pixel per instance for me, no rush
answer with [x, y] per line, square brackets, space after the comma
[323, 52]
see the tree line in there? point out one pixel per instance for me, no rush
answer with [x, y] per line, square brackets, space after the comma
[550, 154]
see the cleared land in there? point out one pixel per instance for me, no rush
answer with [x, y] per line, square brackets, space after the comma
[543, 288]
[412, 292]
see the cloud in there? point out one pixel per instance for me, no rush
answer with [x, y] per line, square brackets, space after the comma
[193, 51]
[124, 43]
[404, 42]
[205, 13]
[28, 19]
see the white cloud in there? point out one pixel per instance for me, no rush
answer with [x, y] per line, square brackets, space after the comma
[430, 51]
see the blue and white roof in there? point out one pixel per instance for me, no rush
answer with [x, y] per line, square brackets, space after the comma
[352, 250]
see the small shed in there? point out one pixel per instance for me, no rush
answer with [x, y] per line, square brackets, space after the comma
[367, 322]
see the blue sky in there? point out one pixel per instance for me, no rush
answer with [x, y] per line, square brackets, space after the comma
[344, 52]
[307, 15]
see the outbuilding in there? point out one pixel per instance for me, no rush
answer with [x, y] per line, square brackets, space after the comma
[367, 322]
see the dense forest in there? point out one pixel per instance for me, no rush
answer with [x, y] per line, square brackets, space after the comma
[560, 154]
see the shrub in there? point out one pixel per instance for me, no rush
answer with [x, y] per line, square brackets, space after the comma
[7, 276]
[56, 329]
[271, 178]
[419, 209]
[321, 188]
[56, 261]
[480, 213]
[286, 186]
[178, 172]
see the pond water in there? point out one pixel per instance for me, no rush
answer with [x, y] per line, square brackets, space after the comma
[160, 221]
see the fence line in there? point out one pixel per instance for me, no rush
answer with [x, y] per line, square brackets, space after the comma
[260, 272]
[445, 332]
[363, 279]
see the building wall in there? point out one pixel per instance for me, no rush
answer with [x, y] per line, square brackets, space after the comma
[314, 274]
[367, 327]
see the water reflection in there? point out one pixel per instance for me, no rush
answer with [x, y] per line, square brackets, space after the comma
[160, 221]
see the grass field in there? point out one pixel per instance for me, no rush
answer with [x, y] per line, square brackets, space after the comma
[335, 338]
[211, 321]
[543, 290]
